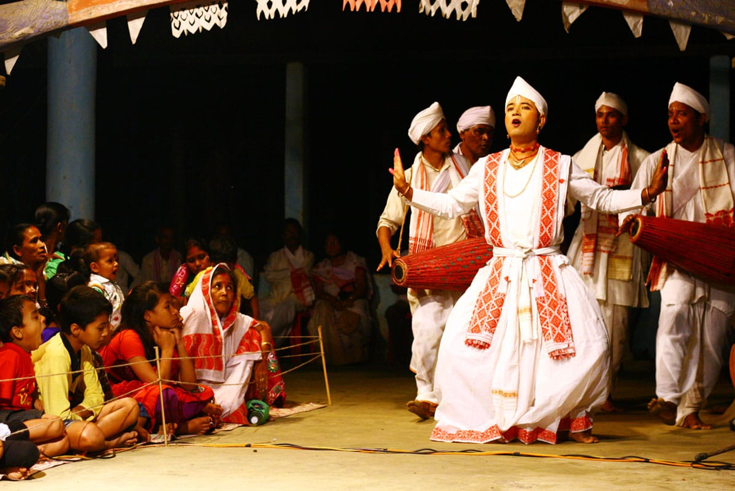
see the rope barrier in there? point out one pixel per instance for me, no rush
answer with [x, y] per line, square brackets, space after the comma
[160, 380]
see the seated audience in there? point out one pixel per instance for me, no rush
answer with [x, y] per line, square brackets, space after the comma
[85, 326]
[20, 329]
[160, 264]
[342, 286]
[231, 349]
[151, 318]
[287, 272]
[196, 260]
[52, 219]
[101, 260]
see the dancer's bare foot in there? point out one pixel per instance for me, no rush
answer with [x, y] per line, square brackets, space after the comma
[422, 409]
[583, 437]
[693, 422]
[610, 407]
[127, 439]
[196, 426]
[665, 410]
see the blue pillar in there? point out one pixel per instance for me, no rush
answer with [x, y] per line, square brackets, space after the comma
[719, 96]
[70, 152]
[294, 177]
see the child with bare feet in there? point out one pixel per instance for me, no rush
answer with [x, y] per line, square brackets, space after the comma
[150, 318]
[17, 454]
[20, 329]
[67, 380]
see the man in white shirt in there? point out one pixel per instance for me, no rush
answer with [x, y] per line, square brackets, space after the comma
[695, 314]
[610, 266]
[476, 128]
[434, 168]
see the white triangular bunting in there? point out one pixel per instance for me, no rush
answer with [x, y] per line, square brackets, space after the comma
[681, 33]
[11, 56]
[570, 12]
[635, 22]
[516, 7]
[135, 24]
[99, 33]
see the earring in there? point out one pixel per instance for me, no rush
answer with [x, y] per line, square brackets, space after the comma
[507, 136]
[538, 130]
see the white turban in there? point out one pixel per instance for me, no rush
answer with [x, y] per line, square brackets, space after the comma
[520, 87]
[424, 122]
[612, 100]
[474, 116]
[690, 97]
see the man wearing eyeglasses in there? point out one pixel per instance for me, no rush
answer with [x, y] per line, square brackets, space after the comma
[476, 128]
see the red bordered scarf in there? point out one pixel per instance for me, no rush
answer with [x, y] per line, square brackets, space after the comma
[203, 331]
[551, 306]
[421, 236]
[600, 228]
[716, 192]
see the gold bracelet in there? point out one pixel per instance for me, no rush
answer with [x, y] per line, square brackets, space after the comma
[403, 194]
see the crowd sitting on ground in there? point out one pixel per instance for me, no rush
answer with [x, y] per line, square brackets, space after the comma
[81, 357]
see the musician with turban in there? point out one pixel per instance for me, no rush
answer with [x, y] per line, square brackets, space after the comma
[476, 128]
[610, 266]
[525, 351]
[694, 314]
[434, 168]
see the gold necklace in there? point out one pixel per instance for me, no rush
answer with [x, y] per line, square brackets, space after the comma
[505, 173]
[520, 163]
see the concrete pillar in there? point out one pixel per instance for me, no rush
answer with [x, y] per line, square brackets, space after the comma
[294, 175]
[70, 155]
[719, 96]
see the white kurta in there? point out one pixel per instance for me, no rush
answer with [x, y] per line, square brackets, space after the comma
[279, 307]
[429, 308]
[515, 389]
[692, 310]
[615, 296]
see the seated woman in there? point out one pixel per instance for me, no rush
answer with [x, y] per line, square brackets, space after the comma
[196, 260]
[150, 318]
[23, 280]
[234, 352]
[342, 287]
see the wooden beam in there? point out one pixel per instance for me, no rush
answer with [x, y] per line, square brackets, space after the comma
[715, 14]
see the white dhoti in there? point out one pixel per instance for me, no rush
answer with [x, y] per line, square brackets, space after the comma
[515, 389]
[689, 354]
[431, 309]
[616, 321]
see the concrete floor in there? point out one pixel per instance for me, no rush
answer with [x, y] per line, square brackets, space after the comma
[368, 411]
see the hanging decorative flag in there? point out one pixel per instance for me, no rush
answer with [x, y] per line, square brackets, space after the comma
[681, 33]
[11, 56]
[462, 8]
[516, 7]
[192, 17]
[283, 7]
[385, 5]
[570, 12]
[635, 22]
[135, 24]
[99, 33]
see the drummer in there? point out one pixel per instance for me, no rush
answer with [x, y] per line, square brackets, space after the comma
[434, 168]
[700, 188]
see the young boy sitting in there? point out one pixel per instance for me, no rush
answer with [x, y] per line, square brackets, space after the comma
[20, 329]
[101, 259]
[92, 425]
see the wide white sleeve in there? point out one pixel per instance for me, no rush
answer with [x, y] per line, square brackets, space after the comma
[598, 197]
[456, 201]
